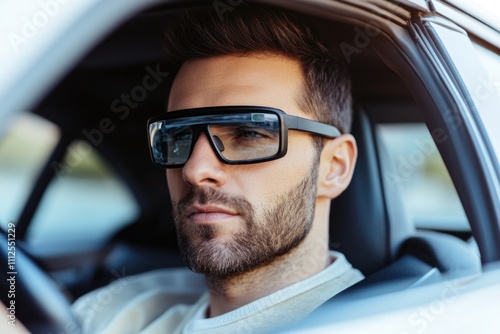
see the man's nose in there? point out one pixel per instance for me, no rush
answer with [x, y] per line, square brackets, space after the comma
[203, 166]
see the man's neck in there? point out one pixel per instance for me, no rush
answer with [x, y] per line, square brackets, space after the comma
[307, 259]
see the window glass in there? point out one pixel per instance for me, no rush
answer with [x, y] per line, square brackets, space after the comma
[85, 201]
[490, 87]
[25, 145]
[491, 61]
[426, 187]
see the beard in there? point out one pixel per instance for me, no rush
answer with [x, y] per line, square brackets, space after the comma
[264, 238]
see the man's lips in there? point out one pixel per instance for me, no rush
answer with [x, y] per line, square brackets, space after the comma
[209, 213]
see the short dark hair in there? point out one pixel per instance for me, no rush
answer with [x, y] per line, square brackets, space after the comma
[252, 29]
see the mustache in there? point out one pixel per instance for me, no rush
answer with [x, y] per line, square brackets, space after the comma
[213, 195]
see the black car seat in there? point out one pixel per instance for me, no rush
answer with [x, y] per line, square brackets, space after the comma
[369, 225]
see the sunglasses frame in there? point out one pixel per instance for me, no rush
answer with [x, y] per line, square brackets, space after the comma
[286, 122]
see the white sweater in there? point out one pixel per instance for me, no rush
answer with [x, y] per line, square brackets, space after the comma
[162, 302]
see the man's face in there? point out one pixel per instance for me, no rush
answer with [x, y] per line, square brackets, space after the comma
[232, 218]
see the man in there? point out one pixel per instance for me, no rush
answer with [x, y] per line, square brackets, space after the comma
[255, 146]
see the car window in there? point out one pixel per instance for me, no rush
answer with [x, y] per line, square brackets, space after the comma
[491, 85]
[25, 144]
[84, 201]
[422, 178]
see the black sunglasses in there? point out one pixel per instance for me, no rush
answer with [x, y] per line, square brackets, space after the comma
[238, 134]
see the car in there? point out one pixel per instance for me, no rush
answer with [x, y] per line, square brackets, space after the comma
[82, 205]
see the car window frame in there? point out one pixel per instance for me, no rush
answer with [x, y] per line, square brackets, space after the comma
[468, 156]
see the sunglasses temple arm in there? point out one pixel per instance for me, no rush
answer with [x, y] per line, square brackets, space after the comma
[307, 125]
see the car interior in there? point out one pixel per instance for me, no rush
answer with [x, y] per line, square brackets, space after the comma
[369, 221]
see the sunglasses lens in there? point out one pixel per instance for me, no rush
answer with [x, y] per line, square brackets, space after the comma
[247, 141]
[170, 145]
[244, 137]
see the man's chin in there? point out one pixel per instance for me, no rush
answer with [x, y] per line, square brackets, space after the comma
[219, 259]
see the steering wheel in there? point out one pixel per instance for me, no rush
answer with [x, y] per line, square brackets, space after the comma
[39, 303]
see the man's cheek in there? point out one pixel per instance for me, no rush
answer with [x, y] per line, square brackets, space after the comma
[175, 185]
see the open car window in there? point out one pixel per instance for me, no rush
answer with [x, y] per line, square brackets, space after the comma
[84, 201]
[24, 148]
[420, 174]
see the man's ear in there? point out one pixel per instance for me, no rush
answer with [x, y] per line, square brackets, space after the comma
[336, 166]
